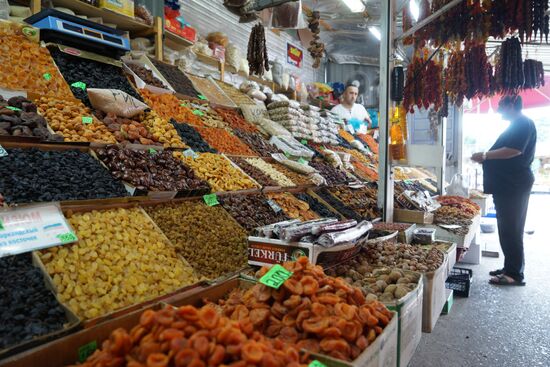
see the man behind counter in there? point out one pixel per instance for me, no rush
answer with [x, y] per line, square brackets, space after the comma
[348, 110]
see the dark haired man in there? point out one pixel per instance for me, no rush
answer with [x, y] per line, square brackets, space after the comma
[507, 175]
[348, 109]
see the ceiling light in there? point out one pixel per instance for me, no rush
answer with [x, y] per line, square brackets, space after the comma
[356, 6]
[415, 9]
[375, 32]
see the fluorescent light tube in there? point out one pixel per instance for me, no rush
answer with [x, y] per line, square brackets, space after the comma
[375, 32]
[415, 9]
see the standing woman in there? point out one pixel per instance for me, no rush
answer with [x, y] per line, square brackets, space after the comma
[507, 175]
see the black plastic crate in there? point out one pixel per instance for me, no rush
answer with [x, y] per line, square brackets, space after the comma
[459, 280]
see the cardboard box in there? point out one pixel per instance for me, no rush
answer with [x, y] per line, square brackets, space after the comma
[409, 327]
[124, 7]
[434, 296]
[412, 216]
[267, 251]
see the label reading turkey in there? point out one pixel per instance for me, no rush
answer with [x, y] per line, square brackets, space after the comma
[13, 108]
[3, 152]
[211, 199]
[276, 208]
[316, 363]
[86, 350]
[198, 113]
[202, 97]
[276, 276]
[80, 85]
[87, 120]
[47, 76]
[67, 237]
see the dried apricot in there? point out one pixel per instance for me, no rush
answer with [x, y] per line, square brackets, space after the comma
[346, 311]
[293, 301]
[188, 313]
[157, 360]
[170, 334]
[217, 356]
[329, 299]
[335, 345]
[310, 285]
[318, 309]
[293, 286]
[315, 325]
[184, 357]
[209, 317]
[309, 344]
[259, 316]
[302, 316]
[262, 292]
[331, 332]
[240, 313]
[252, 352]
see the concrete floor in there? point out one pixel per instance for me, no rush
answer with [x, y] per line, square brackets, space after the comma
[499, 326]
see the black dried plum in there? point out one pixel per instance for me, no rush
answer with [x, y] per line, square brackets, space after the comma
[177, 79]
[32, 175]
[316, 205]
[192, 138]
[338, 205]
[251, 211]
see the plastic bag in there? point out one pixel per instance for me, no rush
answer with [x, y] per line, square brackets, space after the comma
[233, 56]
[278, 70]
[458, 186]
[116, 101]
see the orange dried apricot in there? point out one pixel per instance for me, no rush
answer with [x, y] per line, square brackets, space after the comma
[310, 285]
[157, 360]
[315, 324]
[293, 286]
[209, 317]
[252, 352]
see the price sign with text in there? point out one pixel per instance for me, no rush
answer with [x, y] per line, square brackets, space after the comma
[211, 199]
[276, 276]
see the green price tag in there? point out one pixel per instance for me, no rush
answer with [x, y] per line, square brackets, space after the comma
[3, 152]
[276, 276]
[302, 161]
[211, 199]
[1, 225]
[322, 98]
[86, 350]
[80, 85]
[13, 108]
[87, 120]
[198, 113]
[190, 153]
[202, 97]
[152, 151]
[287, 155]
[47, 76]
[316, 363]
[303, 141]
[67, 237]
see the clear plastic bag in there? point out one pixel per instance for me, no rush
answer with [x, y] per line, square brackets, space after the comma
[459, 186]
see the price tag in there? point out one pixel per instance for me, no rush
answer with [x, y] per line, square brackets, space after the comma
[67, 237]
[80, 85]
[13, 108]
[47, 76]
[316, 363]
[87, 120]
[302, 161]
[1, 225]
[211, 199]
[3, 152]
[276, 208]
[190, 153]
[202, 97]
[303, 141]
[276, 276]
[86, 350]
[152, 151]
[198, 113]
[287, 155]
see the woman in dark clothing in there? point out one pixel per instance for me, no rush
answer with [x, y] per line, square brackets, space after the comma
[508, 177]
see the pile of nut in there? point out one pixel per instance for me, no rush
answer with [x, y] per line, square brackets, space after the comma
[293, 207]
[168, 106]
[207, 236]
[150, 171]
[225, 142]
[403, 256]
[280, 178]
[251, 211]
[218, 172]
[161, 130]
[121, 259]
[67, 117]
[362, 200]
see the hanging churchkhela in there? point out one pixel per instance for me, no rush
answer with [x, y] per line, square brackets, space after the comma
[509, 68]
[534, 74]
[258, 60]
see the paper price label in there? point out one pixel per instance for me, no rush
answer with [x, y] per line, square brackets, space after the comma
[80, 85]
[303, 141]
[3, 152]
[13, 108]
[302, 161]
[316, 363]
[198, 113]
[67, 237]
[87, 120]
[276, 208]
[190, 153]
[276, 276]
[1, 225]
[211, 199]
[152, 151]
[86, 350]
[201, 97]
[47, 76]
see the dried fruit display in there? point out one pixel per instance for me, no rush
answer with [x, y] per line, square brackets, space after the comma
[55, 176]
[465, 205]
[146, 75]
[238, 97]
[235, 120]
[188, 336]
[534, 74]
[26, 65]
[346, 136]
[478, 71]
[218, 171]
[114, 266]
[210, 90]
[298, 178]
[369, 140]
[257, 57]
[66, 117]
[251, 211]
[93, 73]
[365, 172]
[381, 284]
[177, 79]
[257, 143]
[316, 206]
[362, 200]
[509, 68]
[280, 178]
[191, 137]
[161, 130]
[150, 171]
[127, 130]
[257, 174]
[315, 312]
[224, 142]
[403, 256]
[207, 236]
[332, 175]
[392, 226]
[346, 211]
[168, 106]
[28, 309]
[293, 207]
[208, 117]
[424, 84]
[19, 117]
[456, 84]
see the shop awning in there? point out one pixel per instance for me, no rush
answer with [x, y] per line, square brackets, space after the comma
[532, 98]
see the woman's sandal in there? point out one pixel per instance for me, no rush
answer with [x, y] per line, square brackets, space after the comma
[505, 280]
[495, 273]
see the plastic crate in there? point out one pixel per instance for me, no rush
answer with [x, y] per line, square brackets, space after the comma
[459, 280]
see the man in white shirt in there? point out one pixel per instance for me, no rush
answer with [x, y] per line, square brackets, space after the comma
[348, 109]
